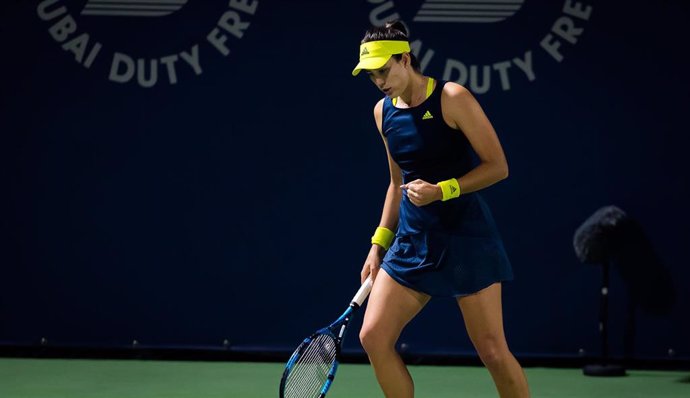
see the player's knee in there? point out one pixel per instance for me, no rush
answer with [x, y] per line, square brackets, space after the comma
[374, 340]
[492, 351]
[493, 357]
[367, 337]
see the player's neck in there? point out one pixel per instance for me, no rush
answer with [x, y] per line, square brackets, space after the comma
[415, 93]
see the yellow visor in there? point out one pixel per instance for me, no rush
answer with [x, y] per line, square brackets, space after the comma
[375, 54]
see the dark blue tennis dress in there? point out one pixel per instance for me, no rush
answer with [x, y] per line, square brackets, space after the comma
[443, 249]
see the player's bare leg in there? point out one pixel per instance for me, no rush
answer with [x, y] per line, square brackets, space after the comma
[484, 322]
[391, 306]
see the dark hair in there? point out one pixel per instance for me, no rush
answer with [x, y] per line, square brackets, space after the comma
[392, 30]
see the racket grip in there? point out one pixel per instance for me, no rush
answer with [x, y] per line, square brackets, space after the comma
[363, 292]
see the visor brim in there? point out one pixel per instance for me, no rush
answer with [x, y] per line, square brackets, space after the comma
[370, 63]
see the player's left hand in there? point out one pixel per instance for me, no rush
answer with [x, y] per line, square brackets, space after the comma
[421, 193]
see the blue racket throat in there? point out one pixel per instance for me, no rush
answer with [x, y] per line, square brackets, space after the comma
[310, 371]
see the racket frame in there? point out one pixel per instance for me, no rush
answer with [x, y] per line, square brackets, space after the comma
[337, 331]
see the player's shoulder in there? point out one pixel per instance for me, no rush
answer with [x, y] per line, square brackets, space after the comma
[456, 97]
[378, 108]
[454, 90]
[379, 105]
[378, 114]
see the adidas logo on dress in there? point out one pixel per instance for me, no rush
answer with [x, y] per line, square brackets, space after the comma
[427, 115]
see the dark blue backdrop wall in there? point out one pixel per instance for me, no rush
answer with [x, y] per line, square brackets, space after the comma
[177, 176]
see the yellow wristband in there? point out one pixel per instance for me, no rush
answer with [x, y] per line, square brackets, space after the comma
[450, 189]
[383, 237]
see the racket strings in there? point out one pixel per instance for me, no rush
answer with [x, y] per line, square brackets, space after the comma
[310, 372]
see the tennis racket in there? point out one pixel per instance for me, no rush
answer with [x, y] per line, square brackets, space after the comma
[311, 369]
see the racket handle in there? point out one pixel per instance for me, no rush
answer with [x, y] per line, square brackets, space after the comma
[363, 292]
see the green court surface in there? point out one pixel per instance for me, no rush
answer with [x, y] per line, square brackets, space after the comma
[53, 378]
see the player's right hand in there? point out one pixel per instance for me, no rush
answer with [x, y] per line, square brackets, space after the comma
[373, 263]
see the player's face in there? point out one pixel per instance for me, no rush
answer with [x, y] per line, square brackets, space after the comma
[391, 78]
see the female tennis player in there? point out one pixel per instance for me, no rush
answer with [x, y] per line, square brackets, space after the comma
[446, 244]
